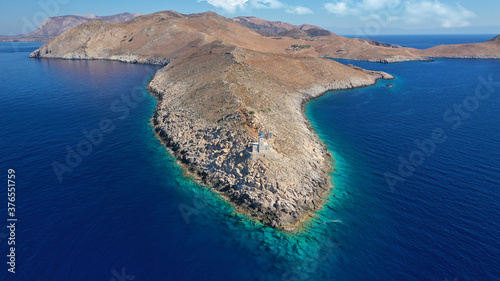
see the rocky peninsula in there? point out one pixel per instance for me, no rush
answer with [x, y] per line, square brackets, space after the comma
[487, 50]
[209, 119]
[224, 81]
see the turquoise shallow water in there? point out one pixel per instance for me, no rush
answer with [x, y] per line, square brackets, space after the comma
[128, 210]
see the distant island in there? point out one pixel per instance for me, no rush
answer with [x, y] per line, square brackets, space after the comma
[232, 94]
[54, 26]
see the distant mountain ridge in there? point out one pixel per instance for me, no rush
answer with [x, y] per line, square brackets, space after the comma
[279, 28]
[54, 26]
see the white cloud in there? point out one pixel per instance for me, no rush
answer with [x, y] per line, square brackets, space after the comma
[227, 5]
[445, 15]
[338, 8]
[231, 6]
[420, 12]
[379, 4]
[299, 10]
[266, 4]
[361, 7]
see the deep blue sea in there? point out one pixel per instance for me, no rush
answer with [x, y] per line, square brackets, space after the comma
[417, 173]
[426, 41]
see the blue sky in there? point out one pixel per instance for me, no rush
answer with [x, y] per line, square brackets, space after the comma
[362, 17]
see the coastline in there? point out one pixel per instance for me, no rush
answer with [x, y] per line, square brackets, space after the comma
[123, 59]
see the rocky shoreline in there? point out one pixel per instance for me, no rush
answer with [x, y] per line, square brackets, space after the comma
[158, 61]
[400, 59]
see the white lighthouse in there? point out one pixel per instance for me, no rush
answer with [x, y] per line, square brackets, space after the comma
[262, 148]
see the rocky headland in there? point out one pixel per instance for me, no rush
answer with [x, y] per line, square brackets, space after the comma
[487, 50]
[224, 81]
[208, 122]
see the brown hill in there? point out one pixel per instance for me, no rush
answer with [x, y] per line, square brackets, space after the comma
[495, 40]
[279, 28]
[264, 27]
[165, 36]
[486, 50]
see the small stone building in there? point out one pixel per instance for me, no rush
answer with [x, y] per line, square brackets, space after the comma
[262, 148]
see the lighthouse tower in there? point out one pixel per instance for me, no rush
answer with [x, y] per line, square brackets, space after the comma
[262, 143]
[262, 148]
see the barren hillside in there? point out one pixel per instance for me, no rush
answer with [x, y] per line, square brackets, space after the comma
[165, 36]
[486, 50]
